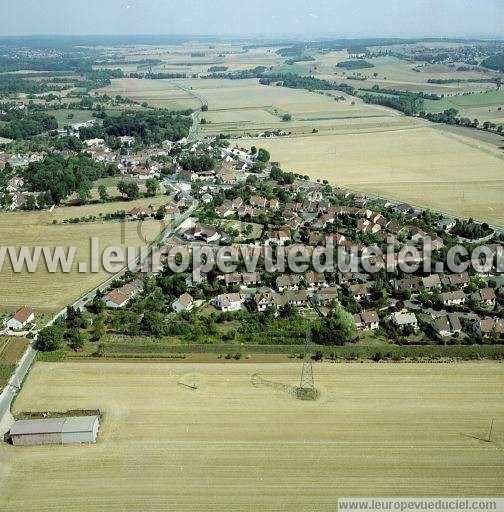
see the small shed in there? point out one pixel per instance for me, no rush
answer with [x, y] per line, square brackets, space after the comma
[66, 430]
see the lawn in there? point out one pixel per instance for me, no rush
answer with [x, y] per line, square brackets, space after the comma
[376, 430]
[78, 116]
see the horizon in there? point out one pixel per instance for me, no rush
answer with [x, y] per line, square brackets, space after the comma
[296, 18]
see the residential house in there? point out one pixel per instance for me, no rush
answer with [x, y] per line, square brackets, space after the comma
[416, 234]
[288, 282]
[455, 298]
[184, 303]
[431, 281]
[172, 211]
[414, 284]
[485, 296]
[251, 278]
[401, 319]
[488, 325]
[14, 184]
[297, 298]
[367, 320]
[360, 291]
[187, 175]
[315, 280]
[119, 297]
[270, 299]
[461, 280]
[446, 224]
[447, 325]
[325, 296]
[277, 237]
[258, 201]
[228, 302]
[139, 212]
[224, 210]
[232, 279]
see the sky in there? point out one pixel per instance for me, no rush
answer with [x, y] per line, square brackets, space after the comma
[337, 18]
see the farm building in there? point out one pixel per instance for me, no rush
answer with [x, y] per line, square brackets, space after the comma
[74, 429]
[22, 317]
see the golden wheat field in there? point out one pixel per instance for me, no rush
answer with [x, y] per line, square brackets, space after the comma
[376, 430]
[49, 292]
[422, 165]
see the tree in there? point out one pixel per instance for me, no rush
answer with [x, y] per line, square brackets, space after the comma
[263, 155]
[50, 339]
[153, 323]
[129, 189]
[75, 339]
[287, 117]
[84, 191]
[152, 187]
[204, 108]
[98, 329]
[102, 191]
[75, 318]
[337, 328]
[31, 203]
[160, 213]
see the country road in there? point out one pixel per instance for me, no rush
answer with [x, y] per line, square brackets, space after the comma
[196, 115]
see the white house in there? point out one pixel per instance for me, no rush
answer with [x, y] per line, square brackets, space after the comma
[22, 317]
[119, 297]
[228, 302]
[402, 319]
[184, 303]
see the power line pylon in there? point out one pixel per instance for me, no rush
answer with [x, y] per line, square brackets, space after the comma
[307, 382]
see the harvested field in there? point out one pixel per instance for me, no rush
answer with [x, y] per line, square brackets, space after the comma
[425, 166]
[158, 93]
[377, 429]
[48, 293]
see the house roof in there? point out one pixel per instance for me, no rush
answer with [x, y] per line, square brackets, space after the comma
[369, 317]
[23, 314]
[288, 280]
[456, 295]
[431, 281]
[54, 425]
[185, 300]
[449, 322]
[485, 294]
[488, 324]
[404, 318]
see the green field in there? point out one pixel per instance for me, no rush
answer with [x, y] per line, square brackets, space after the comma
[79, 116]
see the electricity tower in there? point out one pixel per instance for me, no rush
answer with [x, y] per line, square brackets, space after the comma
[307, 382]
